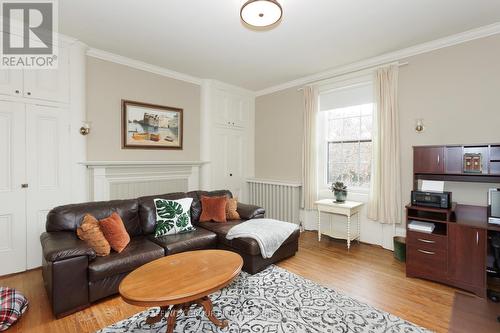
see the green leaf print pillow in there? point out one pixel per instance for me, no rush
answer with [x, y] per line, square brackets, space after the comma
[173, 216]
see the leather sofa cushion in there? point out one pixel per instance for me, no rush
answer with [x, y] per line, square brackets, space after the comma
[221, 229]
[196, 205]
[70, 217]
[198, 239]
[139, 252]
[147, 210]
[245, 245]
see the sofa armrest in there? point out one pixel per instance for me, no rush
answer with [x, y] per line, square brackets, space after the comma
[61, 245]
[248, 212]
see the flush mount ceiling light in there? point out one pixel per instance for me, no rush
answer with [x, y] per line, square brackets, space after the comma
[261, 13]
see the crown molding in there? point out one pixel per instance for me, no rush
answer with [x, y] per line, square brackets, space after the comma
[232, 87]
[137, 64]
[459, 38]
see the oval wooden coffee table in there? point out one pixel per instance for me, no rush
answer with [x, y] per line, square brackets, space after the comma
[178, 281]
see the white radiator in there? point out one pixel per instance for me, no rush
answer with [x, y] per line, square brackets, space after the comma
[281, 200]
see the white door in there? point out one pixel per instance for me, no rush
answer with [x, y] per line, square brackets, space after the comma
[228, 160]
[48, 171]
[49, 84]
[12, 195]
[11, 82]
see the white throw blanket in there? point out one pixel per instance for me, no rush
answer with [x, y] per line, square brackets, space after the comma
[269, 234]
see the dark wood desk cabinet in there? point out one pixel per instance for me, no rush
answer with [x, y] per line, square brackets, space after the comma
[429, 160]
[455, 253]
[467, 257]
[446, 163]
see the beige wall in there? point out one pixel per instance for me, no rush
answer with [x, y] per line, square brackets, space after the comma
[278, 135]
[108, 83]
[455, 90]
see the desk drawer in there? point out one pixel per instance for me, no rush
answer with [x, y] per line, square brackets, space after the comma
[429, 242]
[430, 263]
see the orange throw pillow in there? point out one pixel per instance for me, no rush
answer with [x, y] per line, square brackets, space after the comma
[231, 209]
[90, 232]
[213, 209]
[114, 230]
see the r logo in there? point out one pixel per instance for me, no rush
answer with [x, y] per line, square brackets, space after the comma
[27, 28]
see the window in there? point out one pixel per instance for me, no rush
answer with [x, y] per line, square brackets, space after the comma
[345, 133]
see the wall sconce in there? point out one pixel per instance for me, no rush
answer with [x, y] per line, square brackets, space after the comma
[85, 129]
[419, 126]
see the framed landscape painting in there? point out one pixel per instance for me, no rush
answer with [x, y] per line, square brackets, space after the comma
[149, 126]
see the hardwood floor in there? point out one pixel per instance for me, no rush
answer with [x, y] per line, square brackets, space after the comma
[367, 273]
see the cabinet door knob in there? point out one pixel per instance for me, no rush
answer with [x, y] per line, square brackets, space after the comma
[17, 91]
[29, 94]
[230, 175]
[24, 185]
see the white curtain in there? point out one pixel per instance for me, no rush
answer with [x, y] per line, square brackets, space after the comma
[309, 148]
[385, 195]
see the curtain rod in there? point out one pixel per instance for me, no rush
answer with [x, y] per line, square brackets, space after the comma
[401, 64]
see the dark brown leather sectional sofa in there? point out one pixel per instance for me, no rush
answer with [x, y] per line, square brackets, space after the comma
[75, 277]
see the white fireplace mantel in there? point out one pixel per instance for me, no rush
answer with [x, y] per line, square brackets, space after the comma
[94, 164]
[110, 180]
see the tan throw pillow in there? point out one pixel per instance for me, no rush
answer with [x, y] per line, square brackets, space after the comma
[114, 230]
[231, 209]
[91, 233]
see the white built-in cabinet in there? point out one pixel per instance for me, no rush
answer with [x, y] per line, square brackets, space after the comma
[228, 139]
[11, 82]
[231, 110]
[36, 158]
[38, 84]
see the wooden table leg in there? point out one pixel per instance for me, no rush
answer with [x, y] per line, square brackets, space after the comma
[172, 317]
[204, 302]
[158, 317]
[185, 307]
[208, 307]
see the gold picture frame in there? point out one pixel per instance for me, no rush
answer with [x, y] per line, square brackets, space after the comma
[151, 126]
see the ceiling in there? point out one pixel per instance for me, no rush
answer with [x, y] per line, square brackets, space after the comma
[205, 38]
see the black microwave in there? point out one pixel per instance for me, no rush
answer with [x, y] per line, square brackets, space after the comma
[431, 199]
[494, 206]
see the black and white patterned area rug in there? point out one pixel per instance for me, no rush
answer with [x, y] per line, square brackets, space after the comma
[276, 301]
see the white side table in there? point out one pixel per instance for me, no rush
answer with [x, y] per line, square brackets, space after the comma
[348, 209]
